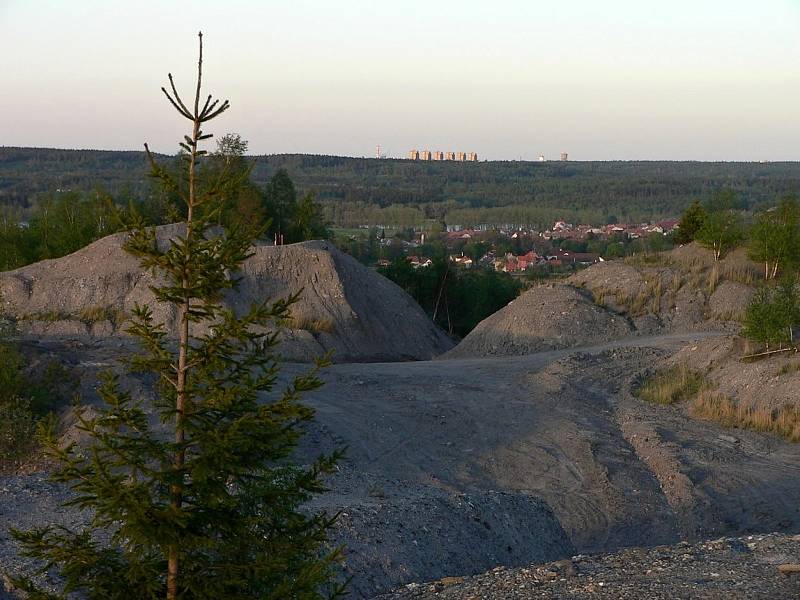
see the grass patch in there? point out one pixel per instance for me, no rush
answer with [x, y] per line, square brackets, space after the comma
[314, 325]
[599, 297]
[50, 316]
[728, 315]
[671, 385]
[712, 279]
[97, 314]
[789, 368]
[648, 299]
[648, 259]
[89, 316]
[717, 407]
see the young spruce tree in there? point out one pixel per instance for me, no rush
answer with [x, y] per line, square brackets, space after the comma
[207, 505]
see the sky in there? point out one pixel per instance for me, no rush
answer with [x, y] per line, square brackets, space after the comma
[611, 80]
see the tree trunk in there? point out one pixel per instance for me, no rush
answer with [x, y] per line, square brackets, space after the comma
[176, 492]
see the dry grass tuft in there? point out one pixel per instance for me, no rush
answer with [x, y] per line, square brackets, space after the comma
[671, 385]
[648, 299]
[599, 296]
[728, 315]
[96, 314]
[51, 316]
[314, 325]
[712, 279]
[739, 271]
[717, 407]
[789, 368]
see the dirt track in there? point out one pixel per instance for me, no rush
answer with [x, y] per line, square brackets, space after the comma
[455, 466]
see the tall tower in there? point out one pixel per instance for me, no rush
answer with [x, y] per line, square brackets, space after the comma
[378, 151]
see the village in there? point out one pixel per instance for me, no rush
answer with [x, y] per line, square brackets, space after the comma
[518, 250]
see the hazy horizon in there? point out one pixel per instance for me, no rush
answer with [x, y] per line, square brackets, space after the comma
[711, 81]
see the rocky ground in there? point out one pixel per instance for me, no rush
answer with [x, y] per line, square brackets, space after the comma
[745, 568]
[457, 466]
[524, 445]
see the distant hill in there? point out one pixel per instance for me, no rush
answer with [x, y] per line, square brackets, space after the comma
[498, 191]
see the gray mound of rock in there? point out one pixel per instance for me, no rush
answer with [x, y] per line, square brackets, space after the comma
[344, 306]
[546, 317]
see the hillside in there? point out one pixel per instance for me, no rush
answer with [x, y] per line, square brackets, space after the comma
[497, 191]
[344, 306]
[678, 291]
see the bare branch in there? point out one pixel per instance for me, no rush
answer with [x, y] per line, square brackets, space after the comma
[225, 106]
[209, 108]
[177, 95]
[178, 108]
[205, 107]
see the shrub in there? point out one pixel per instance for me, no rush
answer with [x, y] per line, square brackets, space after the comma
[773, 314]
[17, 429]
[28, 394]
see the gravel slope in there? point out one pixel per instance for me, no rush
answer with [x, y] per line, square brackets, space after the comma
[745, 568]
[344, 306]
[546, 317]
[457, 466]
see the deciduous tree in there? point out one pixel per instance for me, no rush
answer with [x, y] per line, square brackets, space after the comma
[722, 229]
[775, 238]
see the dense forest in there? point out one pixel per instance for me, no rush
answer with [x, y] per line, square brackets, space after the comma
[360, 191]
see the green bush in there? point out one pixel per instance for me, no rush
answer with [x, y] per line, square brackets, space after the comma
[28, 394]
[17, 432]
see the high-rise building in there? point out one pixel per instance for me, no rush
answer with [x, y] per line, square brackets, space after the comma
[472, 156]
[564, 156]
[462, 156]
[425, 155]
[541, 158]
[450, 156]
[413, 154]
[438, 155]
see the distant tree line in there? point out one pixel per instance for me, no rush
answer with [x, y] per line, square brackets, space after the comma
[356, 191]
[62, 222]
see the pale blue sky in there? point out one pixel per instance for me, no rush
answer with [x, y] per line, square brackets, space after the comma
[702, 79]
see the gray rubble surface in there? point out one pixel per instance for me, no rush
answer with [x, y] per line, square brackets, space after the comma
[736, 568]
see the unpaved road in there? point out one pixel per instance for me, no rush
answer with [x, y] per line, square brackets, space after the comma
[455, 466]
